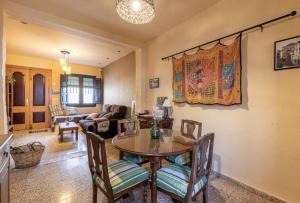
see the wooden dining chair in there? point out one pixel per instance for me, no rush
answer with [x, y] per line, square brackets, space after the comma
[183, 183]
[116, 179]
[188, 128]
[130, 127]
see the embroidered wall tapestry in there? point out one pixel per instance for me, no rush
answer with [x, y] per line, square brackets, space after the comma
[210, 76]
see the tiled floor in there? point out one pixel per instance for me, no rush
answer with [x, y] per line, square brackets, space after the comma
[68, 180]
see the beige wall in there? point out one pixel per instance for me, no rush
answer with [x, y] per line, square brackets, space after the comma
[258, 142]
[38, 62]
[120, 82]
[3, 115]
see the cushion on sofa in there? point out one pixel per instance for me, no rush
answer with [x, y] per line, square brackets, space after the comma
[106, 107]
[88, 125]
[102, 114]
[92, 116]
[108, 115]
[118, 111]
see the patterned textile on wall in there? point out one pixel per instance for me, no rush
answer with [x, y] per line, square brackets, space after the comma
[210, 76]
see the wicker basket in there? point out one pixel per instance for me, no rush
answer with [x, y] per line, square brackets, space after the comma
[27, 155]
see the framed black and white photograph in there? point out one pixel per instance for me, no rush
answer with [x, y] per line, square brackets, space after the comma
[287, 53]
[154, 83]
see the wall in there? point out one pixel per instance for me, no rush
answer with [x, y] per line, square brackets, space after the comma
[120, 82]
[257, 142]
[38, 62]
[3, 115]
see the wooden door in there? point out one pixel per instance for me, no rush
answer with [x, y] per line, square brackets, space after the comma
[19, 108]
[30, 97]
[39, 98]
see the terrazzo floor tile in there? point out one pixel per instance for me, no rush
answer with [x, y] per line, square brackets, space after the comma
[68, 180]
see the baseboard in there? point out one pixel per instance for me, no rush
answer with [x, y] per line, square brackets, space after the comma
[269, 197]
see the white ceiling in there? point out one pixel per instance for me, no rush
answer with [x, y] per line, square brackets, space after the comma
[35, 40]
[102, 14]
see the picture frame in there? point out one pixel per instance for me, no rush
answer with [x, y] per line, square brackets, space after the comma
[154, 83]
[287, 53]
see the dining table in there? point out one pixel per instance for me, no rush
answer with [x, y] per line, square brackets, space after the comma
[154, 150]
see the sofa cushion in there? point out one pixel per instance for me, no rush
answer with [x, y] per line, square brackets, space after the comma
[115, 108]
[175, 178]
[118, 112]
[92, 116]
[87, 125]
[181, 159]
[123, 175]
[102, 114]
[108, 115]
[106, 107]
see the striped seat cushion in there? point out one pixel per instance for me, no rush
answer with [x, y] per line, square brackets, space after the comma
[123, 174]
[181, 159]
[175, 178]
[134, 158]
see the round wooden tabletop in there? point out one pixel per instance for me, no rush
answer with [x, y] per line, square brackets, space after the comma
[143, 144]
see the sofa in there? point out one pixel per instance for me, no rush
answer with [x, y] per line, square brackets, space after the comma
[110, 114]
[60, 115]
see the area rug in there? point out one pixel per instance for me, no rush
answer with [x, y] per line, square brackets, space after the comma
[54, 149]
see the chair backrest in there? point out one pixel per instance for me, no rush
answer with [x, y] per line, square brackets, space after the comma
[188, 128]
[201, 160]
[98, 161]
[56, 110]
[128, 127]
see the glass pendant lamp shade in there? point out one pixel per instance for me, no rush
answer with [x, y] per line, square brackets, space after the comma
[136, 11]
[64, 62]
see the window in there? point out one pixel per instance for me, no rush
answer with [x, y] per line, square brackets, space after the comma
[80, 90]
[88, 90]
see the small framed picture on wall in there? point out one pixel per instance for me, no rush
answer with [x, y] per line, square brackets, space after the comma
[287, 53]
[154, 83]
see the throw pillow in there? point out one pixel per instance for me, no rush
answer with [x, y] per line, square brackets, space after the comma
[115, 108]
[102, 114]
[92, 116]
[108, 115]
[106, 107]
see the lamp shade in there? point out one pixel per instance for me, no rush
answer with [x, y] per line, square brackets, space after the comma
[167, 103]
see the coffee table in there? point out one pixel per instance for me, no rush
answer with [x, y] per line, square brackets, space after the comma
[67, 126]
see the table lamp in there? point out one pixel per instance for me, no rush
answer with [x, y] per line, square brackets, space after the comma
[167, 105]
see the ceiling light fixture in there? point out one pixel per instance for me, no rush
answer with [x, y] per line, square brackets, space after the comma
[64, 62]
[136, 11]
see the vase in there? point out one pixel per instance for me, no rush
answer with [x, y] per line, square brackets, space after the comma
[155, 132]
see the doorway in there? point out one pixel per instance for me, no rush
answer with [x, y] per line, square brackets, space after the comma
[28, 97]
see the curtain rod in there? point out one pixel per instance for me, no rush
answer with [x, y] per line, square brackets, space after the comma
[293, 13]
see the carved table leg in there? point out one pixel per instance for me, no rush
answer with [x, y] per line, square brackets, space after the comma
[61, 133]
[76, 134]
[154, 163]
[121, 155]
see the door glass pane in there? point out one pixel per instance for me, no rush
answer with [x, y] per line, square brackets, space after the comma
[88, 90]
[38, 117]
[39, 90]
[18, 118]
[19, 89]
